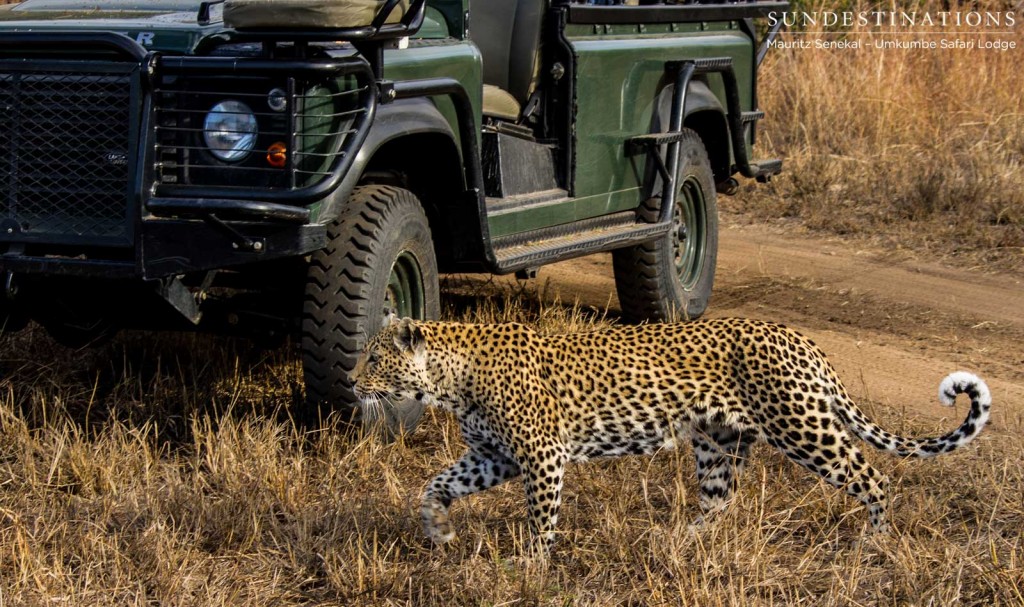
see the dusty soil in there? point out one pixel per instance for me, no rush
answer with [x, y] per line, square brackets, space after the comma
[893, 327]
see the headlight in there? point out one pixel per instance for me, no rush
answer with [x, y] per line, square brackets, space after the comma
[230, 130]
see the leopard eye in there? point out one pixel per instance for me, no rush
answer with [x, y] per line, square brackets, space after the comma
[373, 358]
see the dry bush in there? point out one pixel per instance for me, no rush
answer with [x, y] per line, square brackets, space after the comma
[924, 148]
[165, 471]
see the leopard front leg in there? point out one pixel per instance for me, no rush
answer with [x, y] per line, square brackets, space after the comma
[475, 471]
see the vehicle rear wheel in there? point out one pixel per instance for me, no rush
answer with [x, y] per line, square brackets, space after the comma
[379, 257]
[671, 278]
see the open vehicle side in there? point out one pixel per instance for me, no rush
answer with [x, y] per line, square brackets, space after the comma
[178, 164]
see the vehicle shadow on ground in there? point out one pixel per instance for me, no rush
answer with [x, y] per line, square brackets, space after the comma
[167, 380]
[157, 378]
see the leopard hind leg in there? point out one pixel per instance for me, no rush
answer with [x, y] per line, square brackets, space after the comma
[721, 453]
[828, 451]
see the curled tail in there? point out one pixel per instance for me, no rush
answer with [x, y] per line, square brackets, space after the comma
[960, 382]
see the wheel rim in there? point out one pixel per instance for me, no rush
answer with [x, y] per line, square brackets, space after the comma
[689, 232]
[405, 288]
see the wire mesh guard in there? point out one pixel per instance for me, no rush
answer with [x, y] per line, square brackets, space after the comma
[300, 132]
[65, 154]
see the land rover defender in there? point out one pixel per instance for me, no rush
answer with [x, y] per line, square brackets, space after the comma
[300, 167]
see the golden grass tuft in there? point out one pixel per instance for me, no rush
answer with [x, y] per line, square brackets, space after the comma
[177, 478]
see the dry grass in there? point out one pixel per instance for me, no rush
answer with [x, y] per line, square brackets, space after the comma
[164, 472]
[922, 148]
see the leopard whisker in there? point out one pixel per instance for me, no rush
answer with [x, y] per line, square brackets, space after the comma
[373, 406]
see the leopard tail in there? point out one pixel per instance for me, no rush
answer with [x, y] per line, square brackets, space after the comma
[960, 382]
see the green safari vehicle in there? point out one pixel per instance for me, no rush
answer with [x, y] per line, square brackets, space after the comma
[300, 167]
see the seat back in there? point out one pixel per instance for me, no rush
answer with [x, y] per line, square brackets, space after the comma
[306, 14]
[508, 33]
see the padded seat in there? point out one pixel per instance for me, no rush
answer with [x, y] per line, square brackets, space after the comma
[508, 32]
[306, 14]
[499, 103]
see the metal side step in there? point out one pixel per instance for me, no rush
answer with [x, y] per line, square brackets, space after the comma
[549, 245]
[753, 116]
[766, 169]
[651, 141]
[711, 64]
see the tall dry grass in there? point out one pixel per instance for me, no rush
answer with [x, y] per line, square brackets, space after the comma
[922, 148]
[165, 471]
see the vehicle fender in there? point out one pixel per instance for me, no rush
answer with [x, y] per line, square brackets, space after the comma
[705, 114]
[404, 118]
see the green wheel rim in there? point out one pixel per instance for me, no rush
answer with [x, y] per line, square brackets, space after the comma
[689, 232]
[405, 288]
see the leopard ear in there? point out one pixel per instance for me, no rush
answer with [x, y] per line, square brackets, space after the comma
[409, 337]
[390, 317]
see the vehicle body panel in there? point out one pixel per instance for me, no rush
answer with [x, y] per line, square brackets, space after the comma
[634, 67]
[442, 58]
[620, 72]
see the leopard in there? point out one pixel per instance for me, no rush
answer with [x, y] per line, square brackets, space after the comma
[530, 403]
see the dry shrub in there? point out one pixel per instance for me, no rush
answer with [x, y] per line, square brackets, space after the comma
[179, 479]
[920, 146]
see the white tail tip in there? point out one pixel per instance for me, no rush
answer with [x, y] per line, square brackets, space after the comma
[958, 383]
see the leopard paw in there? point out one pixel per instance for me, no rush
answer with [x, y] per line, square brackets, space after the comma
[436, 525]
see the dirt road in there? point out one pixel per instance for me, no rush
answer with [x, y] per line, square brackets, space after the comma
[893, 328]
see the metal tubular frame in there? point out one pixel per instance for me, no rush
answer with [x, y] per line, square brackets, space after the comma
[684, 73]
[468, 142]
[345, 156]
[681, 73]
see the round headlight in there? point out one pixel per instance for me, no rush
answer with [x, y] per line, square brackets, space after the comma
[230, 130]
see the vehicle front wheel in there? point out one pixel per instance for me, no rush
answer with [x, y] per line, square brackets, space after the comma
[671, 278]
[379, 258]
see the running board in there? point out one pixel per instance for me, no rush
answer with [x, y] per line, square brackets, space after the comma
[549, 245]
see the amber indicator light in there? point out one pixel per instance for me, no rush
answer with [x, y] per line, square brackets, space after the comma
[277, 155]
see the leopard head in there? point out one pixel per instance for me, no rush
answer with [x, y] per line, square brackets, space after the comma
[393, 368]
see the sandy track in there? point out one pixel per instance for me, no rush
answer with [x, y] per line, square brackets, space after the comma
[893, 329]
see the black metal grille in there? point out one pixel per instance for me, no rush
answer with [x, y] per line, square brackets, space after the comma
[67, 146]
